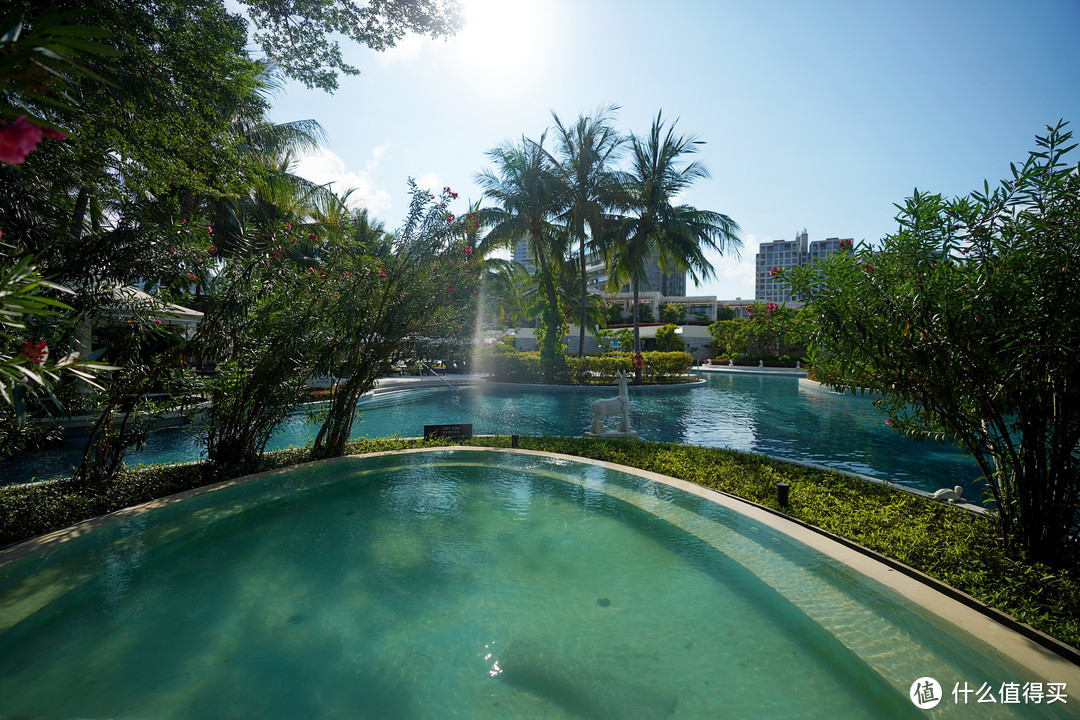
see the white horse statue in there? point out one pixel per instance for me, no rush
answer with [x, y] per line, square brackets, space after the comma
[613, 407]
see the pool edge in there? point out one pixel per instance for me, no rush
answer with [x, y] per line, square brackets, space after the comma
[1026, 645]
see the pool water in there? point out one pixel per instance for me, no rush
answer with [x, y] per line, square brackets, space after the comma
[462, 584]
[774, 415]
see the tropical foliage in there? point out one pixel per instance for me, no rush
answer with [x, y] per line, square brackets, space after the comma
[652, 223]
[965, 321]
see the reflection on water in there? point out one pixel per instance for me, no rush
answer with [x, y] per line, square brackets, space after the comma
[767, 414]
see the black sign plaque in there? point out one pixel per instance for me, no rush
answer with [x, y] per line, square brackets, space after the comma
[456, 430]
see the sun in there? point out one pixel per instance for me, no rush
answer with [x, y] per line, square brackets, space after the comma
[504, 37]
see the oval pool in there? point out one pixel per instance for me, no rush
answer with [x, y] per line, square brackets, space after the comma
[774, 415]
[477, 584]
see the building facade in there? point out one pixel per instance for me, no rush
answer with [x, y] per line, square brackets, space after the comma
[783, 254]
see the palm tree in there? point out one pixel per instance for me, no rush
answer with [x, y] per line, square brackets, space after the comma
[586, 149]
[526, 196]
[503, 292]
[678, 234]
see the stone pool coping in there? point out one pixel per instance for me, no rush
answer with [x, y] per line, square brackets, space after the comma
[1050, 659]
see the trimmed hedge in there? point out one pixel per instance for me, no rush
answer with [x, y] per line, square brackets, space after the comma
[506, 364]
[945, 542]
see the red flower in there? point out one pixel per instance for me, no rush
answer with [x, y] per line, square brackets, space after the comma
[845, 244]
[184, 221]
[213, 249]
[774, 272]
[467, 250]
[36, 352]
[190, 276]
[312, 236]
[18, 140]
[771, 307]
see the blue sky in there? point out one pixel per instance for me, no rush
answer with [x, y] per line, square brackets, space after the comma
[817, 115]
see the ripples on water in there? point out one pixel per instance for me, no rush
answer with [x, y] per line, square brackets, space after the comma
[774, 415]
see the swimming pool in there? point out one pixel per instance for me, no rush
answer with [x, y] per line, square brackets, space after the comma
[774, 415]
[472, 584]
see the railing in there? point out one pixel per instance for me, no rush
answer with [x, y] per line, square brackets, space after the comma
[444, 380]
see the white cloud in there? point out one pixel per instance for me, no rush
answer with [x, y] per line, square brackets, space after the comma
[323, 166]
[430, 182]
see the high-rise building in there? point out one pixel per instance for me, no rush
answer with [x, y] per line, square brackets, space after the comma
[781, 254]
[523, 256]
[656, 280]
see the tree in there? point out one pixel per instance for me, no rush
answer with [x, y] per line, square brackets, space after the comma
[527, 199]
[297, 34]
[680, 234]
[590, 188]
[729, 336]
[383, 296]
[673, 313]
[568, 282]
[667, 340]
[966, 320]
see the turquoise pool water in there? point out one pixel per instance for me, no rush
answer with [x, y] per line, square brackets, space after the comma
[755, 413]
[467, 584]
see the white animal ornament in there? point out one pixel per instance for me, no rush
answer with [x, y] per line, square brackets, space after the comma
[953, 496]
[613, 407]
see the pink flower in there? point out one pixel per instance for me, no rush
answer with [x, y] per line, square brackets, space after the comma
[213, 249]
[36, 352]
[771, 307]
[845, 244]
[190, 276]
[449, 218]
[774, 272]
[18, 140]
[467, 250]
[288, 226]
[157, 320]
[312, 236]
[209, 229]
[183, 221]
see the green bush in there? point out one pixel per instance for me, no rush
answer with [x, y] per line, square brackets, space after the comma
[665, 366]
[667, 340]
[508, 365]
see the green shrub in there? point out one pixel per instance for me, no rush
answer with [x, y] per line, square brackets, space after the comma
[665, 366]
